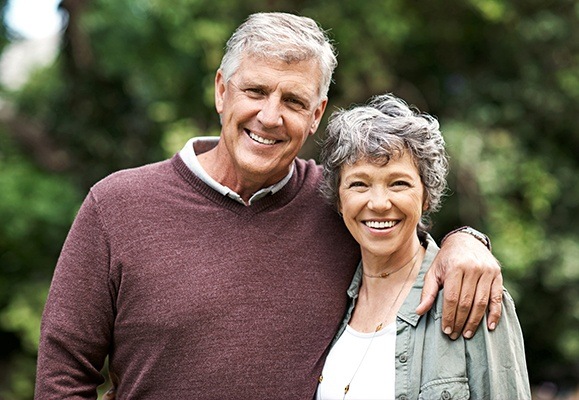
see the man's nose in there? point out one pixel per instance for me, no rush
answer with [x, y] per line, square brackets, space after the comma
[270, 114]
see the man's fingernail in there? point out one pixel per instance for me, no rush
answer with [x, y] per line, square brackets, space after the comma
[493, 326]
[448, 330]
[454, 336]
[468, 334]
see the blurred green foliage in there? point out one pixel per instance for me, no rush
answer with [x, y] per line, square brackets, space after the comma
[134, 79]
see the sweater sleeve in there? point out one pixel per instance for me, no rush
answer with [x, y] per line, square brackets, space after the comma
[496, 359]
[78, 317]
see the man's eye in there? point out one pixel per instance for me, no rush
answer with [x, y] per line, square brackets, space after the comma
[295, 103]
[255, 92]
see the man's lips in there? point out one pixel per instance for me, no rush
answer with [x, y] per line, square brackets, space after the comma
[260, 139]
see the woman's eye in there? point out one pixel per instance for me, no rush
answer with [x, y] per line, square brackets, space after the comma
[356, 184]
[401, 184]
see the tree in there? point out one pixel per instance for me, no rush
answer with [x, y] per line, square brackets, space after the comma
[135, 79]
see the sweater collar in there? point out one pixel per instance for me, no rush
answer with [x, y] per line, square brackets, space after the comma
[189, 157]
[305, 173]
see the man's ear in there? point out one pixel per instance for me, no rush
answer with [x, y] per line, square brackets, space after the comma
[318, 114]
[219, 91]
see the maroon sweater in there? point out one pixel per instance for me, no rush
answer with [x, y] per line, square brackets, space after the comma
[193, 295]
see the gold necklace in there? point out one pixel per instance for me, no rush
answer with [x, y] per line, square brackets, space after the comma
[387, 274]
[381, 324]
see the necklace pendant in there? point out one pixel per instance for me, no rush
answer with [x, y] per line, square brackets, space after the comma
[379, 327]
[384, 275]
[347, 389]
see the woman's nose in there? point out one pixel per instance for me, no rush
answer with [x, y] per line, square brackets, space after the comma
[379, 200]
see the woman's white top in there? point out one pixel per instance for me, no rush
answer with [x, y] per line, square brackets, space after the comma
[373, 374]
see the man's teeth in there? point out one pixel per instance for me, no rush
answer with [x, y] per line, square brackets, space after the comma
[259, 139]
[380, 224]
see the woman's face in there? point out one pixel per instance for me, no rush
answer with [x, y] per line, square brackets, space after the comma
[382, 204]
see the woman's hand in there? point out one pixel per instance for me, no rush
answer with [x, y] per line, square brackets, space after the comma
[472, 282]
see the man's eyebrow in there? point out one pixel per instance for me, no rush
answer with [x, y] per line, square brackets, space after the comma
[292, 94]
[249, 83]
[297, 95]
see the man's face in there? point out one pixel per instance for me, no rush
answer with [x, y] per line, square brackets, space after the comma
[268, 109]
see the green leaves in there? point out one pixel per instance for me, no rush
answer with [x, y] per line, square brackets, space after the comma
[36, 210]
[135, 81]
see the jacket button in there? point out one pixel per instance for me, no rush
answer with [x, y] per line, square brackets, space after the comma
[445, 395]
[403, 358]
[402, 397]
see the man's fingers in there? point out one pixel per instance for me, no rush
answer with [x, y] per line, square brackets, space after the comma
[496, 302]
[429, 293]
[470, 273]
[489, 295]
[452, 293]
[479, 306]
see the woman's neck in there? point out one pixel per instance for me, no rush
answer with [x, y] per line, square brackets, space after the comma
[389, 264]
[380, 299]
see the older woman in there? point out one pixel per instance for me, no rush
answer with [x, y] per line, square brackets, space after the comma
[385, 169]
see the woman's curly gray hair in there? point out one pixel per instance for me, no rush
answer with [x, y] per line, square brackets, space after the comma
[383, 129]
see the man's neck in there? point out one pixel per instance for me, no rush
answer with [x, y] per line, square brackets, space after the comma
[228, 175]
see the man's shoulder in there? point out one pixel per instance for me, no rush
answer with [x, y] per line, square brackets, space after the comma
[309, 169]
[144, 177]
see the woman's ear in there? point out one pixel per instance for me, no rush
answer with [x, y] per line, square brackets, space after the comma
[426, 202]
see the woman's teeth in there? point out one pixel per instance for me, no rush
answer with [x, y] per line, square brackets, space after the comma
[380, 224]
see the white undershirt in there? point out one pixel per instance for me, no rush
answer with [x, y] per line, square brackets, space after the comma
[376, 374]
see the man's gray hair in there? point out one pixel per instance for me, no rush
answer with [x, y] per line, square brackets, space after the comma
[287, 37]
[383, 129]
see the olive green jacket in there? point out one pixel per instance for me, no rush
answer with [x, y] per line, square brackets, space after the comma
[429, 365]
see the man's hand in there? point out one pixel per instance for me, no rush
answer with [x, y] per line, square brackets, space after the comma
[472, 282]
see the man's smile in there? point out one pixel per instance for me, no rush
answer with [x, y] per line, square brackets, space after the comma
[260, 139]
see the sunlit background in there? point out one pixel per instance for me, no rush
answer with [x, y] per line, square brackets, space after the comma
[34, 19]
[502, 76]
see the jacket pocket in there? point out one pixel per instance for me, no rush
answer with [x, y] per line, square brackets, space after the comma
[445, 389]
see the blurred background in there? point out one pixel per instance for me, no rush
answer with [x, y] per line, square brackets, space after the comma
[90, 87]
